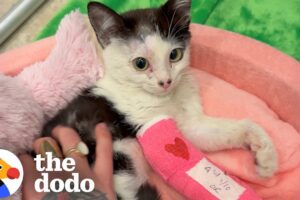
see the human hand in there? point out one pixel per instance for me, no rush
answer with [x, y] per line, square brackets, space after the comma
[100, 173]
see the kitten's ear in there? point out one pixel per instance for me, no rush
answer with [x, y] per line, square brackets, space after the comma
[106, 22]
[178, 14]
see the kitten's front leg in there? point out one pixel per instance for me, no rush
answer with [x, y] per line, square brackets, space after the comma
[213, 134]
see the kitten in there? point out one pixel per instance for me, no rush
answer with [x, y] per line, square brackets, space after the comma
[146, 58]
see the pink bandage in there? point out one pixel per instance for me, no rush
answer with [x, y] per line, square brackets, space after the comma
[186, 168]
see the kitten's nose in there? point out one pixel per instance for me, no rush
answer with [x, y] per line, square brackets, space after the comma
[165, 84]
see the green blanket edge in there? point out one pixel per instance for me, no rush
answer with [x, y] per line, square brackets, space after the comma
[263, 20]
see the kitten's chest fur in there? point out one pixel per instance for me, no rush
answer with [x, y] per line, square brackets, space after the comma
[138, 107]
[124, 109]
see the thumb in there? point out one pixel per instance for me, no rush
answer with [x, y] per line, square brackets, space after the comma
[103, 167]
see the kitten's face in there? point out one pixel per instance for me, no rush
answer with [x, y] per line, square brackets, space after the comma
[146, 48]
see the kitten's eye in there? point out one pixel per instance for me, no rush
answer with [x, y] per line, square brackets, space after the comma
[176, 55]
[140, 64]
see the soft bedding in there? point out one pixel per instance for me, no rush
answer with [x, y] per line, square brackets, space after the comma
[238, 78]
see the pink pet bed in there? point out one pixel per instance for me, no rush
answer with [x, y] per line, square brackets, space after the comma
[239, 78]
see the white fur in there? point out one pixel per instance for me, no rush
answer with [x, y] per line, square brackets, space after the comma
[138, 95]
[126, 185]
[131, 148]
[142, 130]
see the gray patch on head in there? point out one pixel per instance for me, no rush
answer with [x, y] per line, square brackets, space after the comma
[171, 20]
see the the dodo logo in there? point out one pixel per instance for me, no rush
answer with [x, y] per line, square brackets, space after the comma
[11, 173]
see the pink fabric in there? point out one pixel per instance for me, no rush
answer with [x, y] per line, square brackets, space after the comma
[172, 148]
[52, 80]
[248, 64]
[72, 66]
[257, 69]
[222, 99]
[14, 61]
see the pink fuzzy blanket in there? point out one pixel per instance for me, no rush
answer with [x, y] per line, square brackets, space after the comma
[239, 78]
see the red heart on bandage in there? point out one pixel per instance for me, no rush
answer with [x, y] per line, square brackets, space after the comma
[179, 149]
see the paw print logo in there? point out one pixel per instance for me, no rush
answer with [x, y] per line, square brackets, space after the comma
[11, 173]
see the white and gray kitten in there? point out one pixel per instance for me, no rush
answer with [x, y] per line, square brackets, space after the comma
[146, 58]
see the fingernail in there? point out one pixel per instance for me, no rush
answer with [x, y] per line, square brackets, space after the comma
[47, 147]
[102, 126]
[83, 148]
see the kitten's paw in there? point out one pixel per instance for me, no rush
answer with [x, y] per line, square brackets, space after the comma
[265, 153]
[266, 161]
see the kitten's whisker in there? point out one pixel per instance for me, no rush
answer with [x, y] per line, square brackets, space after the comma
[170, 31]
[167, 21]
[185, 16]
[180, 29]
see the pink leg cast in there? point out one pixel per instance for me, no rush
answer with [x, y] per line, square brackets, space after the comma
[186, 168]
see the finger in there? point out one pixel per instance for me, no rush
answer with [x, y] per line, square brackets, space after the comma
[103, 167]
[103, 164]
[69, 139]
[47, 144]
[30, 176]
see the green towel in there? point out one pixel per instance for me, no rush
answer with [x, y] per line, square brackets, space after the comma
[275, 22]
[200, 12]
